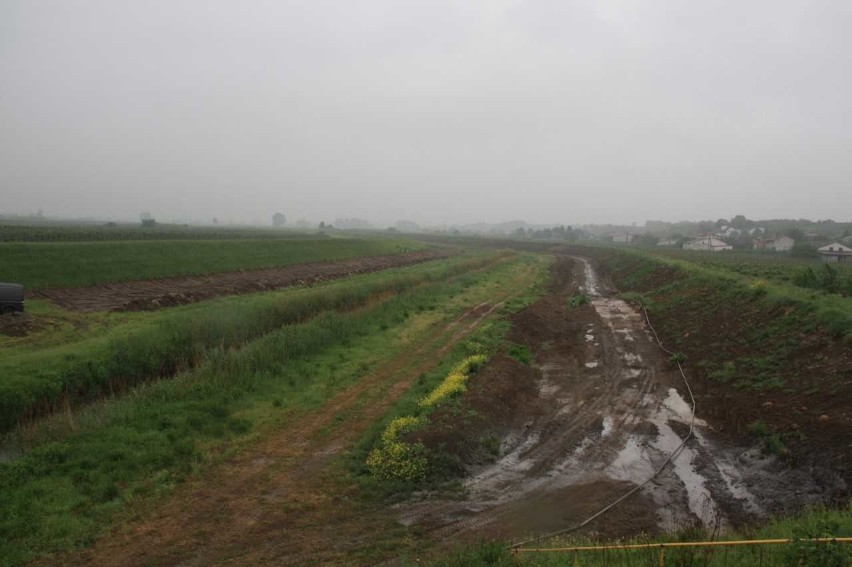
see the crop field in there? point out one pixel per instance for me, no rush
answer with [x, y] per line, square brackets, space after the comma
[91, 233]
[424, 412]
[78, 264]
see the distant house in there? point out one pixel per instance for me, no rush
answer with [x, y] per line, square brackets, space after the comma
[781, 244]
[708, 244]
[835, 252]
[727, 232]
[669, 242]
[622, 237]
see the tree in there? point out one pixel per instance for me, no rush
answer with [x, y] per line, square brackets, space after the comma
[796, 234]
[279, 219]
[740, 222]
[802, 250]
[648, 239]
[321, 225]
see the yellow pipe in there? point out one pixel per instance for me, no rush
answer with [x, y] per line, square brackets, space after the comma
[682, 544]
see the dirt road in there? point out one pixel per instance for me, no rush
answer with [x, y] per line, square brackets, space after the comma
[149, 295]
[608, 411]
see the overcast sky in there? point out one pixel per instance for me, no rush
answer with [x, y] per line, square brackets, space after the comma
[551, 111]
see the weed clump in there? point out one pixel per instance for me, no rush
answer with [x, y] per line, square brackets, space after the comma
[393, 458]
[520, 353]
[455, 382]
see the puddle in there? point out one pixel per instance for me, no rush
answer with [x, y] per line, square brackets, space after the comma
[590, 278]
[631, 463]
[701, 502]
[631, 358]
[591, 364]
[680, 409]
[607, 426]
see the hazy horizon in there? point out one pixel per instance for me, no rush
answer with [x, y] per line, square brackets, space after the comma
[435, 112]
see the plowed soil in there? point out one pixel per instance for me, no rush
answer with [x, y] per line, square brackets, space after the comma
[148, 295]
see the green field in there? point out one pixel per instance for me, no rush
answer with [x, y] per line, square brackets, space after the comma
[77, 475]
[96, 354]
[78, 264]
[54, 232]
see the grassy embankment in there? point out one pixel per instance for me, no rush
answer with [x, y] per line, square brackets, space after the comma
[778, 267]
[120, 454]
[79, 264]
[666, 285]
[102, 353]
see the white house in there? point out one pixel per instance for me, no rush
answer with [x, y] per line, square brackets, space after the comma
[835, 252]
[622, 237]
[708, 244]
[780, 244]
[727, 232]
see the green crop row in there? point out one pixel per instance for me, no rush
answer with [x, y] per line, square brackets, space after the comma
[36, 382]
[80, 264]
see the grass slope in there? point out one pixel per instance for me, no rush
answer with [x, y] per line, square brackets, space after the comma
[36, 378]
[119, 455]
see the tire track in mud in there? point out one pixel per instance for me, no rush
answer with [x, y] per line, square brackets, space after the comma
[282, 500]
[613, 416]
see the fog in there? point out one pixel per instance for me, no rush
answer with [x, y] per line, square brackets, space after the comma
[439, 112]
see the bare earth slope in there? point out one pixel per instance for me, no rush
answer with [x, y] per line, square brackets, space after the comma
[605, 411]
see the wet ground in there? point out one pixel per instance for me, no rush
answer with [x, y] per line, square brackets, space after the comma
[609, 410]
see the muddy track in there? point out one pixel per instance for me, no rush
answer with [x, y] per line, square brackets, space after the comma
[609, 411]
[149, 295]
[283, 502]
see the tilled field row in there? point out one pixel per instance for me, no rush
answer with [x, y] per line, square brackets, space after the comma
[149, 295]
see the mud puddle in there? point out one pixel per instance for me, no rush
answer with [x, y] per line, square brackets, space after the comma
[613, 412]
